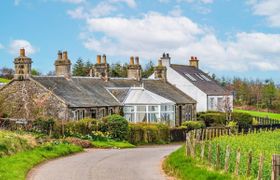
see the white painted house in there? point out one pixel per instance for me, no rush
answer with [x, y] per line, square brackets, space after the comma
[196, 84]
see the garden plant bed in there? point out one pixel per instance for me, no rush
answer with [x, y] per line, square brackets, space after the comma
[260, 114]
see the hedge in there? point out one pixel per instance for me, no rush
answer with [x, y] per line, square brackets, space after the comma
[142, 133]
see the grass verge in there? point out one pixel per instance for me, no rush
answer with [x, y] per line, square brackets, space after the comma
[16, 167]
[181, 167]
[2, 80]
[112, 144]
[260, 114]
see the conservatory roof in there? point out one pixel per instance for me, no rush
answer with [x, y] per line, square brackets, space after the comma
[139, 95]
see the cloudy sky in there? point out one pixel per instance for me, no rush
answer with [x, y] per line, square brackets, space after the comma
[230, 37]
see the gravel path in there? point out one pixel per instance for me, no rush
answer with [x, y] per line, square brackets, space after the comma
[102, 164]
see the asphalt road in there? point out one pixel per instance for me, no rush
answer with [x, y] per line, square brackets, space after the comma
[142, 163]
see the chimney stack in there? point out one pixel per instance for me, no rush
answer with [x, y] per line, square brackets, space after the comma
[101, 69]
[161, 70]
[165, 59]
[134, 71]
[194, 62]
[22, 52]
[159, 62]
[62, 65]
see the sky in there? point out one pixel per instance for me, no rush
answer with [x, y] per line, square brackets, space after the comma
[231, 38]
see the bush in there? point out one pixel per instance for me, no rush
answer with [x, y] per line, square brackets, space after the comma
[116, 125]
[244, 120]
[178, 134]
[43, 126]
[191, 125]
[142, 133]
[81, 127]
[79, 142]
[213, 119]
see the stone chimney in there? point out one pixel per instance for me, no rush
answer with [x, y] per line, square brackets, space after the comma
[194, 62]
[62, 64]
[22, 66]
[165, 59]
[161, 71]
[101, 69]
[134, 70]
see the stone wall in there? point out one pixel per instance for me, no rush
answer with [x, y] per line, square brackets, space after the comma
[27, 99]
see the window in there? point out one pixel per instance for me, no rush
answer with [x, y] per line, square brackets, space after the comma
[190, 77]
[129, 113]
[220, 103]
[141, 108]
[206, 78]
[211, 103]
[93, 113]
[197, 75]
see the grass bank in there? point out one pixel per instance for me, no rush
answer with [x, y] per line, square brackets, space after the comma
[112, 144]
[181, 167]
[260, 114]
[16, 167]
[2, 80]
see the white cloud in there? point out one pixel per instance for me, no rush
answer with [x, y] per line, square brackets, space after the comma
[78, 13]
[74, 1]
[130, 3]
[176, 11]
[153, 34]
[17, 2]
[270, 9]
[15, 46]
[197, 1]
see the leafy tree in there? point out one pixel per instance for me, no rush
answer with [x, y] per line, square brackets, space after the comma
[79, 68]
[35, 72]
[148, 70]
[7, 73]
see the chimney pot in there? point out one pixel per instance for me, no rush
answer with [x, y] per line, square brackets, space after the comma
[195, 58]
[137, 60]
[104, 59]
[22, 52]
[64, 55]
[131, 60]
[59, 55]
[98, 59]
[191, 57]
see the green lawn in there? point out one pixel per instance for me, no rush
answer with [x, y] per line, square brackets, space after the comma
[16, 167]
[181, 167]
[2, 80]
[260, 114]
[112, 144]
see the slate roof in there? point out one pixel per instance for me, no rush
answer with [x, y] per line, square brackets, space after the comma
[92, 92]
[207, 85]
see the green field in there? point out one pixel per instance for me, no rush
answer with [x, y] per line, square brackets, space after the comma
[265, 142]
[260, 114]
[182, 167]
[2, 80]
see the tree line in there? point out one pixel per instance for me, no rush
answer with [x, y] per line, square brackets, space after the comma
[253, 94]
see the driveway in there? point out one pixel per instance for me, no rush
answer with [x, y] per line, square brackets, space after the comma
[102, 164]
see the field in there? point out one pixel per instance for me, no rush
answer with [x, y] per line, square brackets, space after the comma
[265, 142]
[2, 80]
[260, 114]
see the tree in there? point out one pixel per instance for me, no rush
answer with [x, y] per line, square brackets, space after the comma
[79, 68]
[35, 72]
[118, 70]
[269, 93]
[7, 73]
[148, 70]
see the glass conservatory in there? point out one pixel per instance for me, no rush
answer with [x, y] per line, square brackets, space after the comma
[142, 105]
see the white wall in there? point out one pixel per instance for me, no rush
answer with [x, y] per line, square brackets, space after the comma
[217, 107]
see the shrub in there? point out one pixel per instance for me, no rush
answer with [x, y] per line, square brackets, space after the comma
[116, 125]
[41, 125]
[81, 127]
[213, 119]
[142, 133]
[178, 134]
[190, 125]
[244, 120]
[79, 142]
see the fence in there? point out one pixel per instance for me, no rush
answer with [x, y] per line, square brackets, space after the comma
[266, 121]
[193, 140]
[15, 124]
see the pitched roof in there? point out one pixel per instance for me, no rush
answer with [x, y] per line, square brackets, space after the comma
[200, 79]
[91, 92]
[139, 95]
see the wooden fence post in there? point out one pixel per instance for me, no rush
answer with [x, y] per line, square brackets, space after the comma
[238, 154]
[202, 150]
[275, 175]
[218, 153]
[209, 152]
[260, 171]
[249, 164]
[227, 158]
[188, 144]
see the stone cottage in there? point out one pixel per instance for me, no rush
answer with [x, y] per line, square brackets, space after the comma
[66, 97]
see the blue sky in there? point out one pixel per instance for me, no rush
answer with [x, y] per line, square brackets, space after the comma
[230, 37]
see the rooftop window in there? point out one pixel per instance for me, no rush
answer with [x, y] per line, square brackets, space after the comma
[190, 77]
[206, 78]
